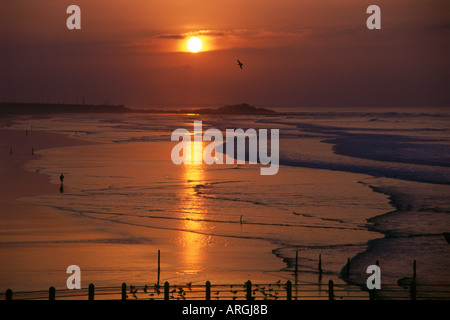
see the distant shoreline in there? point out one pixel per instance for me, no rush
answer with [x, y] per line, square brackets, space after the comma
[59, 108]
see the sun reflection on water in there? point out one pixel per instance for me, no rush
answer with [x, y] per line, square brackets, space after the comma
[193, 211]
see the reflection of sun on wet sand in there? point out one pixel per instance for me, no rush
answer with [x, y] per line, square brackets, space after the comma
[193, 242]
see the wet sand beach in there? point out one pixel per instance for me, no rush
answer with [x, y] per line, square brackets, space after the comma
[123, 200]
[38, 243]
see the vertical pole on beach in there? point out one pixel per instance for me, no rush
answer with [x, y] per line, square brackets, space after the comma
[124, 291]
[248, 286]
[208, 290]
[166, 290]
[296, 262]
[320, 265]
[289, 290]
[91, 291]
[330, 290]
[8, 294]
[159, 266]
[348, 267]
[51, 293]
[412, 291]
[414, 269]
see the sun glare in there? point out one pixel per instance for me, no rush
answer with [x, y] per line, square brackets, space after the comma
[194, 44]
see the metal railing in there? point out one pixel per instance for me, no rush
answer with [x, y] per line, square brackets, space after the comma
[243, 291]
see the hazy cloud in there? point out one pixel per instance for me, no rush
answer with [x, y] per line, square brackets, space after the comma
[170, 36]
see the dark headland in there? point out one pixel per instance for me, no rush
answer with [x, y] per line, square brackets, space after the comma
[56, 108]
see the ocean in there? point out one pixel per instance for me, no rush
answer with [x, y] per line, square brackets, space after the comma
[368, 185]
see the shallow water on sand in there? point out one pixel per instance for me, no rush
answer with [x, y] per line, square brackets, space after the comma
[223, 222]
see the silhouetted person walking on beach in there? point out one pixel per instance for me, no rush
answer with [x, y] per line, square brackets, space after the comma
[61, 187]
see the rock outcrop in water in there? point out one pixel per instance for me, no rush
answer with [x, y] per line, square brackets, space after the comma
[242, 108]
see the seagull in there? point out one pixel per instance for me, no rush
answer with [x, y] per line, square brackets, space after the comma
[240, 63]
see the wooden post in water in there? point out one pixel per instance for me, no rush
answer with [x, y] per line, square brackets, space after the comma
[289, 290]
[248, 286]
[414, 269]
[159, 266]
[51, 293]
[91, 291]
[330, 290]
[124, 291]
[166, 290]
[296, 262]
[208, 290]
[8, 294]
[412, 291]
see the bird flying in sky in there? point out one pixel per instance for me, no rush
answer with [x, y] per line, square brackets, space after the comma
[240, 64]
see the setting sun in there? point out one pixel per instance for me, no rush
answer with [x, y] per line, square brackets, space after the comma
[194, 44]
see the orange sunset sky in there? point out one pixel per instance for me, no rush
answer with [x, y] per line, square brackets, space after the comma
[308, 53]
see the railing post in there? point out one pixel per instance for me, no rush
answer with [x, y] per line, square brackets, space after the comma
[330, 290]
[208, 290]
[320, 264]
[413, 291]
[289, 290]
[51, 293]
[248, 286]
[159, 266]
[8, 294]
[414, 269]
[166, 290]
[124, 291]
[91, 291]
